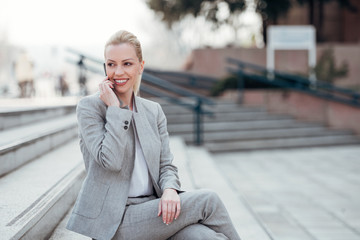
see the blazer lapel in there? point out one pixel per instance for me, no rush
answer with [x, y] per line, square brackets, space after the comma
[146, 139]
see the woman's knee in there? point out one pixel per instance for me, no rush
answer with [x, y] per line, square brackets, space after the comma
[202, 198]
[209, 195]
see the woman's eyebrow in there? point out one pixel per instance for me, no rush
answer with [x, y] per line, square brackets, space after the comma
[124, 60]
[127, 59]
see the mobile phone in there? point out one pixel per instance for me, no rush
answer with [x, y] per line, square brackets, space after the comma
[104, 65]
[105, 69]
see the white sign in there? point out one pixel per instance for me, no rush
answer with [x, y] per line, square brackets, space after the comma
[291, 38]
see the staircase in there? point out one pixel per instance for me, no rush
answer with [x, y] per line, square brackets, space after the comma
[239, 128]
[41, 169]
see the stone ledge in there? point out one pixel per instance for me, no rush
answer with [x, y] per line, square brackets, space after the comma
[37, 221]
[36, 196]
[207, 175]
[26, 143]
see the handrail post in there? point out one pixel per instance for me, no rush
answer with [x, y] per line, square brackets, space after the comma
[355, 99]
[240, 85]
[192, 81]
[198, 122]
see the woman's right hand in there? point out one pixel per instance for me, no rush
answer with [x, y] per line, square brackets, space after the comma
[107, 95]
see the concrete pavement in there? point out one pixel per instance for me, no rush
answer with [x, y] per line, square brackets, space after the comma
[298, 194]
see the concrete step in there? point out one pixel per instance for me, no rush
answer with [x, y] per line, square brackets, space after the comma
[218, 108]
[181, 161]
[61, 233]
[207, 175]
[227, 117]
[22, 144]
[255, 134]
[20, 116]
[291, 142]
[218, 104]
[239, 128]
[164, 102]
[241, 125]
[35, 197]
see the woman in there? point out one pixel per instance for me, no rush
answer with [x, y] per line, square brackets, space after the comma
[132, 190]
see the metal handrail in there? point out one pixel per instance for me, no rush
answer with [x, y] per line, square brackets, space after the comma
[196, 107]
[185, 78]
[174, 88]
[285, 80]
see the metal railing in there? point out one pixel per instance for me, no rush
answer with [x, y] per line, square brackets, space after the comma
[172, 93]
[185, 79]
[289, 81]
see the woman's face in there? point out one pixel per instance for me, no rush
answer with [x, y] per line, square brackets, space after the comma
[123, 67]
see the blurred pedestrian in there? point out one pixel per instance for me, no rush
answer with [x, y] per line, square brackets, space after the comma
[62, 85]
[82, 77]
[24, 75]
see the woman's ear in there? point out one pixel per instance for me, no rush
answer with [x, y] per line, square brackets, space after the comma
[141, 67]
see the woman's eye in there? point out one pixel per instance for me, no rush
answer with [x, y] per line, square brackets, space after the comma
[127, 64]
[110, 64]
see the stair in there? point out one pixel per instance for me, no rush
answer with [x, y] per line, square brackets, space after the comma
[206, 174]
[18, 116]
[239, 128]
[41, 169]
[22, 144]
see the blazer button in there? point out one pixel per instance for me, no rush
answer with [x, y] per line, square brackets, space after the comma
[125, 127]
[126, 122]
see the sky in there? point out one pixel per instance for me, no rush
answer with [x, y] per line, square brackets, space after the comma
[71, 22]
[76, 22]
[68, 22]
[44, 28]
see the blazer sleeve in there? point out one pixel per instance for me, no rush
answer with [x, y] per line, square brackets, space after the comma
[105, 137]
[168, 177]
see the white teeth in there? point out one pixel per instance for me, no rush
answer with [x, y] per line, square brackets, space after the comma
[120, 81]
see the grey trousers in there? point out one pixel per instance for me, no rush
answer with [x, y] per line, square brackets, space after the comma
[203, 216]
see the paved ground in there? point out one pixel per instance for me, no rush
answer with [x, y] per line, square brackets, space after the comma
[299, 194]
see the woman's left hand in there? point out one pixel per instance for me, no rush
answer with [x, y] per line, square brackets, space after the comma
[169, 206]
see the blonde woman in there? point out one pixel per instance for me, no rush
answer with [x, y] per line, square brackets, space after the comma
[132, 189]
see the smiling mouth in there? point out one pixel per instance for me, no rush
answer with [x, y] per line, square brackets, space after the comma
[121, 82]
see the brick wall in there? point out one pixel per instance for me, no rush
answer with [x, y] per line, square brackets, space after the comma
[212, 62]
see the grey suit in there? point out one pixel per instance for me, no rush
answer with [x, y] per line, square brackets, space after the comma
[107, 142]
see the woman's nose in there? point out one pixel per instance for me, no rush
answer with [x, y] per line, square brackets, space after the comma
[119, 70]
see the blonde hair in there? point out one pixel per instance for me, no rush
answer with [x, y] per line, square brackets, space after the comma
[123, 36]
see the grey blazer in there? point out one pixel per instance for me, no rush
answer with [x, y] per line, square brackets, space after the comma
[108, 146]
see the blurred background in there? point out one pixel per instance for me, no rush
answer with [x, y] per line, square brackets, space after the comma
[40, 32]
[262, 99]
[43, 31]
